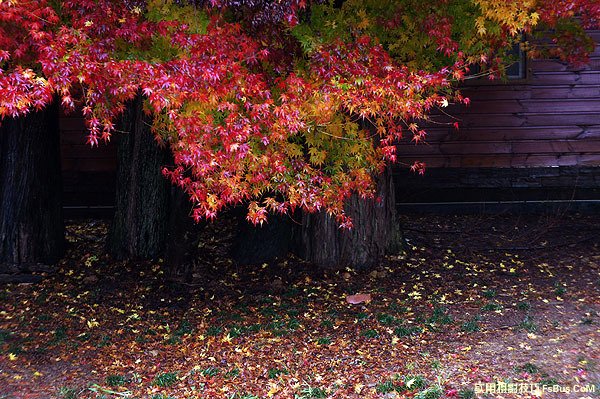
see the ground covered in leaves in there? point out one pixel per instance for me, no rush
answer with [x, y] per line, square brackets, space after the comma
[476, 303]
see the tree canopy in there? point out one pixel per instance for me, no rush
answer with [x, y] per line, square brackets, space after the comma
[282, 104]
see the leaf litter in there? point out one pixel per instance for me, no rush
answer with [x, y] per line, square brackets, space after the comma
[465, 304]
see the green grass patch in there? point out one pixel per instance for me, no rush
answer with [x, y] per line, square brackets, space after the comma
[491, 307]
[440, 316]
[385, 387]
[530, 368]
[115, 380]
[273, 373]
[67, 393]
[528, 325]
[386, 319]
[407, 331]
[434, 392]
[466, 393]
[489, 294]
[210, 371]
[213, 331]
[232, 373]
[471, 325]
[370, 333]
[312, 392]
[165, 379]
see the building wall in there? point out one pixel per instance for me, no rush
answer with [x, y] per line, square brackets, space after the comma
[89, 174]
[551, 118]
[533, 139]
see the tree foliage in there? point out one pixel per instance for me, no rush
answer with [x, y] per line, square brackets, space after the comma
[281, 104]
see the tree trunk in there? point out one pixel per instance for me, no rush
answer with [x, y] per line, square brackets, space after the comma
[259, 244]
[31, 223]
[375, 233]
[183, 235]
[139, 227]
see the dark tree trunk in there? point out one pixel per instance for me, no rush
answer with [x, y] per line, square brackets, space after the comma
[183, 236]
[259, 244]
[31, 223]
[139, 228]
[375, 233]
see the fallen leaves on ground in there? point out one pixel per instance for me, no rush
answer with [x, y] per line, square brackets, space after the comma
[458, 310]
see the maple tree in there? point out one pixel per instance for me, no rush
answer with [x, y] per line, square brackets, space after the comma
[284, 105]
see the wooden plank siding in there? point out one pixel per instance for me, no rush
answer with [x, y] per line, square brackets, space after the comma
[88, 173]
[551, 118]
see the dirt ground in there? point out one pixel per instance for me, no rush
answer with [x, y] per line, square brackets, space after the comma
[477, 306]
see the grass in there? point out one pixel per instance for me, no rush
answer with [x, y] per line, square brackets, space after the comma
[275, 372]
[440, 316]
[386, 319]
[370, 333]
[105, 340]
[402, 384]
[385, 387]
[559, 290]
[415, 382]
[528, 325]
[232, 373]
[466, 393]
[60, 334]
[210, 372]
[312, 392]
[530, 368]
[115, 380]
[165, 379]
[184, 328]
[293, 324]
[407, 331]
[433, 392]
[327, 324]
[471, 325]
[489, 294]
[491, 307]
[4, 336]
[523, 306]
[67, 393]
[213, 331]
[549, 382]
[361, 316]
[324, 341]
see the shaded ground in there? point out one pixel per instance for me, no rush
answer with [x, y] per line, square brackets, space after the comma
[473, 301]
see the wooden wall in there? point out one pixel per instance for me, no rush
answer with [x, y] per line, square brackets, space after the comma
[551, 118]
[88, 173]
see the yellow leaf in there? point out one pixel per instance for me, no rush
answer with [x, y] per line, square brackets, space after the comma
[227, 338]
[273, 390]
[12, 356]
[358, 387]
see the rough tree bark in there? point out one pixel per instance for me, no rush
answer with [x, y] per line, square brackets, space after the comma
[258, 244]
[31, 222]
[375, 233]
[183, 235]
[139, 227]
